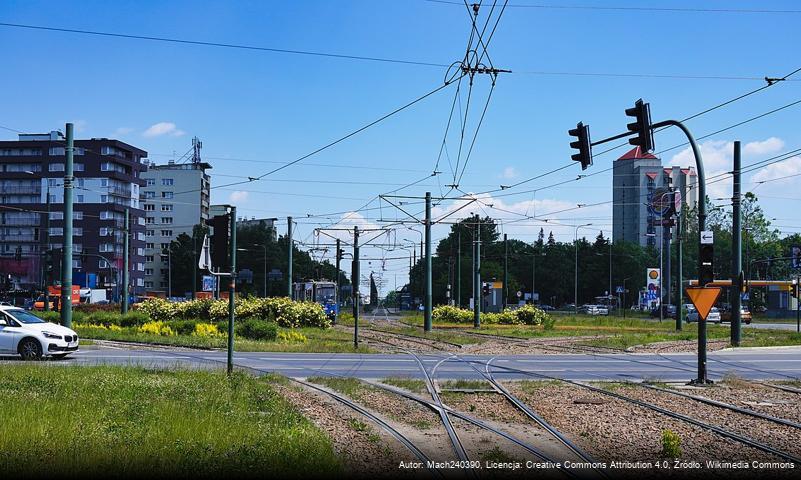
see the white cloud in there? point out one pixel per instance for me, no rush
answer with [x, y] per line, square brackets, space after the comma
[718, 160]
[509, 173]
[238, 196]
[163, 128]
[791, 166]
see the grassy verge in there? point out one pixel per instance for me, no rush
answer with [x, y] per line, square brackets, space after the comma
[411, 384]
[318, 340]
[133, 422]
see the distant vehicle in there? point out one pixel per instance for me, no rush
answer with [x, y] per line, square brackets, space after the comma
[23, 333]
[568, 306]
[745, 315]
[595, 309]
[545, 308]
[692, 315]
[668, 311]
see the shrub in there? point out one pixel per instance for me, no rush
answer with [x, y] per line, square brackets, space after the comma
[531, 315]
[89, 308]
[206, 330]
[157, 328]
[256, 329]
[102, 318]
[451, 314]
[292, 337]
[133, 319]
[671, 444]
[52, 317]
[183, 327]
[548, 323]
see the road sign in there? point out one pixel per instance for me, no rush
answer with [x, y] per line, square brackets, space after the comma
[703, 298]
[620, 289]
[519, 294]
[707, 237]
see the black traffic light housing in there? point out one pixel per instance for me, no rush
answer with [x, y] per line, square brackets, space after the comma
[582, 144]
[486, 289]
[706, 273]
[219, 241]
[794, 289]
[641, 126]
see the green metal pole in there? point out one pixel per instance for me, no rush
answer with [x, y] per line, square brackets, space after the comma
[505, 289]
[354, 280]
[194, 265]
[680, 261]
[338, 282]
[48, 254]
[477, 279]
[428, 299]
[737, 252]
[232, 293]
[66, 258]
[289, 257]
[125, 261]
[458, 265]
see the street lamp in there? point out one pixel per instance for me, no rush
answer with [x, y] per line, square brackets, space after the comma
[575, 286]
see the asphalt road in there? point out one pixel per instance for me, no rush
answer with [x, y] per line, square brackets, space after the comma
[771, 363]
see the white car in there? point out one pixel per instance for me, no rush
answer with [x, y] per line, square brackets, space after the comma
[713, 317]
[23, 333]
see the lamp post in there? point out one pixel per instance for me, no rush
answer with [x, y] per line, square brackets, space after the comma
[575, 285]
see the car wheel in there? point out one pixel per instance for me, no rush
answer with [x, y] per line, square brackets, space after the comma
[30, 349]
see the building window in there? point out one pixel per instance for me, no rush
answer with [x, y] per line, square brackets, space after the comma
[167, 195]
[149, 258]
[77, 215]
[78, 198]
[150, 233]
[166, 233]
[140, 236]
[61, 151]
[163, 284]
[165, 271]
[150, 182]
[139, 282]
[167, 207]
[166, 220]
[148, 284]
[148, 271]
[78, 167]
[77, 232]
[150, 245]
[20, 152]
[167, 182]
[150, 207]
[140, 251]
[106, 247]
[165, 246]
[105, 231]
[55, 167]
[56, 215]
[150, 220]
[149, 195]
[56, 231]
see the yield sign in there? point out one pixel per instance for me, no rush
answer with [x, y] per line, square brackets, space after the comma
[703, 298]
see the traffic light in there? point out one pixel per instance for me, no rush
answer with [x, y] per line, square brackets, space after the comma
[794, 288]
[486, 289]
[49, 261]
[707, 259]
[219, 241]
[340, 254]
[641, 126]
[582, 144]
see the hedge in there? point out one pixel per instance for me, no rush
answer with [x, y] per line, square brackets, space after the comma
[523, 315]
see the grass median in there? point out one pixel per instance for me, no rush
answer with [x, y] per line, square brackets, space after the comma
[134, 422]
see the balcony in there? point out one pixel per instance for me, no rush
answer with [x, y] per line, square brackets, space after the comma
[37, 190]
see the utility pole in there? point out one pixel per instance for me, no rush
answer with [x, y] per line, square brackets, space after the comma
[737, 252]
[680, 261]
[232, 293]
[428, 299]
[48, 254]
[339, 285]
[289, 257]
[477, 277]
[458, 265]
[505, 271]
[125, 260]
[66, 258]
[194, 265]
[354, 280]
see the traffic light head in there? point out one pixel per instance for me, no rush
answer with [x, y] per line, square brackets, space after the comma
[706, 262]
[219, 241]
[582, 144]
[641, 126]
[486, 289]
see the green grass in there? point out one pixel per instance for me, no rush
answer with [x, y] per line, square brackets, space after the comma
[496, 455]
[134, 422]
[462, 384]
[351, 387]
[410, 384]
[319, 340]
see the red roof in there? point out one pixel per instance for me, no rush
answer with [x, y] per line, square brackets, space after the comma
[635, 153]
[651, 175]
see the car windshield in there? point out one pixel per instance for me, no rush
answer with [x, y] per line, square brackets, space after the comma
[25, 317]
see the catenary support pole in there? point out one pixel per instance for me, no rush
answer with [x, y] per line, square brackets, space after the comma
[736, 252]
[126, 262]
[477, 278]
[232, 293]
[66, 258]
[680, 266]
[428, 298]
[505, 289]
[338, 281]
[354, 281]
[290, 247]
[458, 265]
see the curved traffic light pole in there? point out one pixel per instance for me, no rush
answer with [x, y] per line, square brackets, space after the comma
[699, 167]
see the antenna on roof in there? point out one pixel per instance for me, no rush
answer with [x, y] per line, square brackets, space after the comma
[196, 146]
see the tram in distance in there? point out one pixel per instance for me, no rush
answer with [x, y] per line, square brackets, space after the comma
[323, 292]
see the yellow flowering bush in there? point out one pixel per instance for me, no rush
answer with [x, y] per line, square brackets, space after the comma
[206, 330]
[291, 337]
[157, 328]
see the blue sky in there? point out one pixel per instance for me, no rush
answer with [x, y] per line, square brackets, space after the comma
[253, 109]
